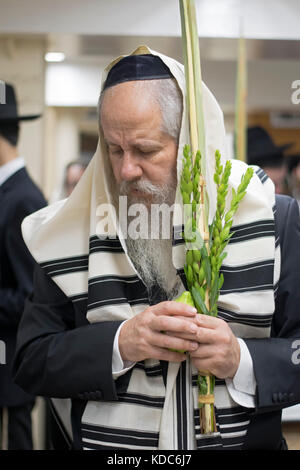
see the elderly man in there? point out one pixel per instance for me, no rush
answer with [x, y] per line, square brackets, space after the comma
[101, 327]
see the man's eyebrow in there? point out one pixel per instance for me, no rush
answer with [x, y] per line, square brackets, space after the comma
[111, 143]
[148, 143]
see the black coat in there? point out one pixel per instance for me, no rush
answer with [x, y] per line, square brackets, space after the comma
[19, 197]
[60, 354]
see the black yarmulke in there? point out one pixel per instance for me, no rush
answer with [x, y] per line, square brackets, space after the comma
[137, 67]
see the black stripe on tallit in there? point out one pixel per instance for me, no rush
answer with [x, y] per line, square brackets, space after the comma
[153, 371]
[258, 287]
[260, 321]
[109, 290]
[140, 399]
[113, 436]
[244, 277]
[229, 421]
[235, 416]
[65, 265]
[79, 297]
[177, 232]
[233, 420]
[99, 446]
[58, 267]
[117, 301]
[253, 230]
[111, 245]
[240, 233]
[178, 235]
[262, 175]
[181, 407]
[206, 442]
[232, 428]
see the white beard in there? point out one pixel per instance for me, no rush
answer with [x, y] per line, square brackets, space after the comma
[153, 257]
[153, 261]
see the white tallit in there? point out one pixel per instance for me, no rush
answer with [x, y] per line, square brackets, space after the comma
[63, 231]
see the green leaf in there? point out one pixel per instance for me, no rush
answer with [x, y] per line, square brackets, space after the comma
[197, 255]
[195, 267]
[201, 275]
[184, 186]
[201, 307]
[214, 292]
[186, 198]
[222, 257]
[207, 270]
[189, 274]
[197, 242]
[189, 257]
[204, 253]
[202, 385]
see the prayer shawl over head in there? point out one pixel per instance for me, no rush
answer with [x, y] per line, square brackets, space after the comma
[64, 239]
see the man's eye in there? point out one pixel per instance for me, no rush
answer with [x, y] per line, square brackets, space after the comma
[146, 152]
[115, 151]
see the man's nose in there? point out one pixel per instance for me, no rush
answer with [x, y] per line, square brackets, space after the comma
[130, 168]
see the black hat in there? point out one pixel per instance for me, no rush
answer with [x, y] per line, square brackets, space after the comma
[137, 67]
[9, 110]
[261, 149]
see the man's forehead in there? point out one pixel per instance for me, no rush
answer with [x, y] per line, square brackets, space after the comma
[130, 86]
[132, 98]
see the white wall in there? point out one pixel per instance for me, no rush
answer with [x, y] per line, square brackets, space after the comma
[70, 84]
[269, 83]
[276, 19]
[22, 64]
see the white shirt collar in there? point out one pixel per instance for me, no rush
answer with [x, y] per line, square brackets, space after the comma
[7, 170]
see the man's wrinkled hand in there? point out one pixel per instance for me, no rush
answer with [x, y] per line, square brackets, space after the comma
[218, 348]
[158, 329]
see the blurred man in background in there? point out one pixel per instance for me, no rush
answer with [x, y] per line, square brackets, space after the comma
[72, 174]
[262, 151]
[294, 176]
[19, 197]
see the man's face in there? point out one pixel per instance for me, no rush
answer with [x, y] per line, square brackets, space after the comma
[139, 150]
[74, 174]
[277, 175]
[296, 173]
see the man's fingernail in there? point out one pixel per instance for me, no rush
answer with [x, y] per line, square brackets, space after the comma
[192, 310]
[193, 329]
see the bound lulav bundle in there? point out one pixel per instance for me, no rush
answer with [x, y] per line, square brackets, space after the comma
[204, 258]
[205, 244]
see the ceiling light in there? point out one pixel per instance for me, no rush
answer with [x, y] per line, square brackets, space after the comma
[54, 57]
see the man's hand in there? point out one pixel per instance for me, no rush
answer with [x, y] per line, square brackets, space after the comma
[218, 351]
[145, 335]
